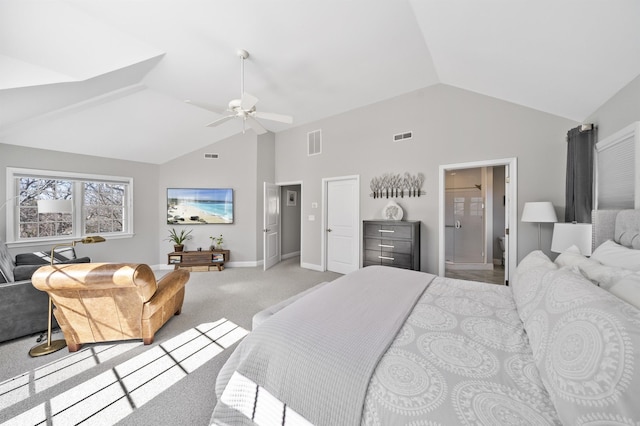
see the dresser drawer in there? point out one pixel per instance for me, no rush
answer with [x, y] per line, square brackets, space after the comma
[387, 231]
[391, 243]
[387, 245]
[377, 257]
[404, 262]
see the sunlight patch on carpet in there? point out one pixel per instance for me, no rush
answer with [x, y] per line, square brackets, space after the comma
[114, 394]
[28, 384]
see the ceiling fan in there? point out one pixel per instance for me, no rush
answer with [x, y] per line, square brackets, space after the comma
[243, 108]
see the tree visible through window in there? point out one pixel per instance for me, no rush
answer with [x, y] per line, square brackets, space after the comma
[33, 224]
[101, 204]
[103, 207]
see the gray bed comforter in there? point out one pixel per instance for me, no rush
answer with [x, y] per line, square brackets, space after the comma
[329, 355]
[551, 349]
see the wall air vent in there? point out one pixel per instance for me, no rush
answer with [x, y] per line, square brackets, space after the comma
[211, 156]
[314, 142]
[402, 136]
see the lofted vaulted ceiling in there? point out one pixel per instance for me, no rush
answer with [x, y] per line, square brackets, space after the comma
[109, 78]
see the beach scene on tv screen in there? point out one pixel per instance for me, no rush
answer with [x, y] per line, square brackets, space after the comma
[190, 206]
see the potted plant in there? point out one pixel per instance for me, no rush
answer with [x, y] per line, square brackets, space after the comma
[178, 238]
[218, 240]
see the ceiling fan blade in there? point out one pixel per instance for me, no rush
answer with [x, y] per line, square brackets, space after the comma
[274, 117]
[219, 121]
[207, 106]
[257, 127]
[248, 101]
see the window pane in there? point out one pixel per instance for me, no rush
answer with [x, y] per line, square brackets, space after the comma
[33, 224]
[104, 207]
[101, 204]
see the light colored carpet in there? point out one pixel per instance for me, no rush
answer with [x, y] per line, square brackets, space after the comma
[235, 294]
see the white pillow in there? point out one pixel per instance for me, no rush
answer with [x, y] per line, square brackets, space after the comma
[570, 257]
[602, 275]
[612, 254]
[599, 274]
[628, 289]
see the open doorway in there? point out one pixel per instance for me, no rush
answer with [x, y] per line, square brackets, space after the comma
[282, 213]
[291, 215]
[477, 203]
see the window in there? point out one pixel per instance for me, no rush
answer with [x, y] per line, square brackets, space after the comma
[98, 205]
[616, 159]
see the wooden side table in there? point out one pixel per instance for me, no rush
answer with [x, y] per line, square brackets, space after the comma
[198, 261]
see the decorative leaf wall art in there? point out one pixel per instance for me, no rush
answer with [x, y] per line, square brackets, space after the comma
[391, 185]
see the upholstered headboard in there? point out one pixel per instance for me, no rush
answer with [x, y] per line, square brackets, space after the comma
[621, 226]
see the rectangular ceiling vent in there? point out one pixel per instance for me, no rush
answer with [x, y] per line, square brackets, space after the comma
[314, 142]
[402, 136]
[211, 156]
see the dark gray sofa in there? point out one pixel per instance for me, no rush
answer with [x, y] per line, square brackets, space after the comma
[23, 308]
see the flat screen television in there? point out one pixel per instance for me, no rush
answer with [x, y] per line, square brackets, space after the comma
[193, 206]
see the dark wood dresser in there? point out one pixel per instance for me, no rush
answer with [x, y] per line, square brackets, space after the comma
[391, 243]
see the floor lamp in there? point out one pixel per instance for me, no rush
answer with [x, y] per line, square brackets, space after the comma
[57, 206]
[539, 212]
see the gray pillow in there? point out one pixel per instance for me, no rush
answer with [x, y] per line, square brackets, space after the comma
[61, 255]
[24, 272]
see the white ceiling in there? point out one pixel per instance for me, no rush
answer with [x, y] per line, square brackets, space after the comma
[109, 78]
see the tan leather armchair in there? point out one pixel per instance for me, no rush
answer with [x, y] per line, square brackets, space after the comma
[98, 302]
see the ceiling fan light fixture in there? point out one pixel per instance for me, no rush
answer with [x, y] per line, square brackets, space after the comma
[245, 107]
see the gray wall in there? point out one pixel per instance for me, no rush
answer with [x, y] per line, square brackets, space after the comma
[290, 221]
[619, 111]
[142, 247]
[450, 125]
[245, 161]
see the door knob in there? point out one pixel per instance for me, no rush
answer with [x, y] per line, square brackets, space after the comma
[328, 229]
[266, 230]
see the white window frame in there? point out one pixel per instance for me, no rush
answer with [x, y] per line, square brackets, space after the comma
[78, 223]
[624, 182]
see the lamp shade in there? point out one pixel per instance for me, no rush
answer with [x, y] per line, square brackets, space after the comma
[566, 235]
[55, 206]
[542, 211]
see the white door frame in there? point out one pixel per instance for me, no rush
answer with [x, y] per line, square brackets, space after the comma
[301, 201]
[323, 226]
[511, 221]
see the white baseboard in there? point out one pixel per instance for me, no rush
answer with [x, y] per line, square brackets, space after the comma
[312, 267]
[290, 255]
[244, 264]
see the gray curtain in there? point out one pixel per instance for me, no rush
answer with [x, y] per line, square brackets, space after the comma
[579, 189]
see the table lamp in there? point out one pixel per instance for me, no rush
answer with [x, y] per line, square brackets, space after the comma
[566, 235]
[539, 212]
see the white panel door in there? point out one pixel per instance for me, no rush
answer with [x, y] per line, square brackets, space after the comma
[271, 230]
[342, 225]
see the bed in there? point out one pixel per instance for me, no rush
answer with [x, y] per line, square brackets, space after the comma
[384, 346]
